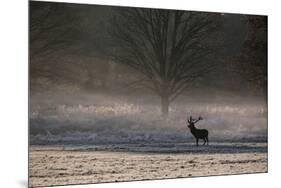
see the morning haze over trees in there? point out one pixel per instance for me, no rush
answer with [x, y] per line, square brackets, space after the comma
[166, 53]
[170, 48]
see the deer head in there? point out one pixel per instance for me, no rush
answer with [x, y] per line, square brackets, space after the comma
[192, 121]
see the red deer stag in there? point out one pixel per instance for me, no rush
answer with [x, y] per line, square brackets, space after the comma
[197, 133]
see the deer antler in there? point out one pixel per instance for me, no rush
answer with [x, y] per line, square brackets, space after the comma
[199, 118]
[190, 119]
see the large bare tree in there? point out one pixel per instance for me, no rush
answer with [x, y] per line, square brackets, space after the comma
[171, 49]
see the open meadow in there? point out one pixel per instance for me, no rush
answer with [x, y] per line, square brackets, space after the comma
[129, 162]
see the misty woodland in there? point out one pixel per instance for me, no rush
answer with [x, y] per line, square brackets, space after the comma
[125, 94]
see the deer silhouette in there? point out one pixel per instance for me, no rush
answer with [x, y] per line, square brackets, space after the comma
[197, 133]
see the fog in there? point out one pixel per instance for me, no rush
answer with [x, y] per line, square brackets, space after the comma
[90, 119]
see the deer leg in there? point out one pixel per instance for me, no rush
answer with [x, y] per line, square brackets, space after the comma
[196, 141]
[207, 140]
[204, 141]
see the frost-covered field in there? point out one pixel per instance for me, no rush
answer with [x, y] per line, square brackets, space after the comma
[98, 120]
[60, 165]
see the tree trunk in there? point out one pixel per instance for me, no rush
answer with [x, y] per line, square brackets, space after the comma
[165, 105]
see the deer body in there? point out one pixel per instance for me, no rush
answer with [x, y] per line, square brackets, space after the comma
[198, 133]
